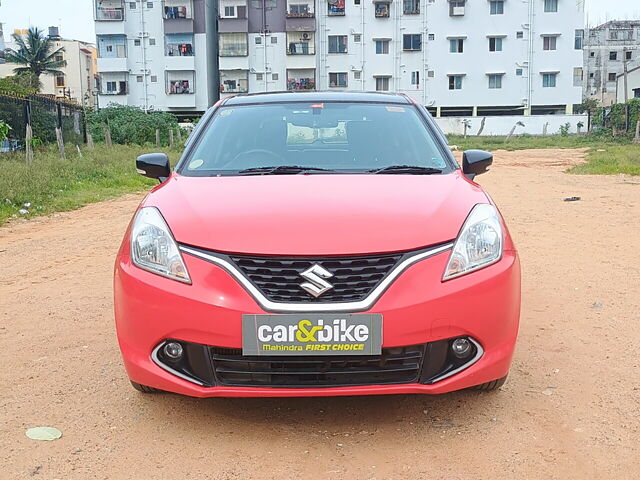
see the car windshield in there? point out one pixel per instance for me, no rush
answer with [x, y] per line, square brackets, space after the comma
[315, 138]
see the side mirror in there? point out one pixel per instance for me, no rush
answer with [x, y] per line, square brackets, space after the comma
[476, 162]
[154, 165]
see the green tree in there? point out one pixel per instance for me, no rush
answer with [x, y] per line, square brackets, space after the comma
[36, 55]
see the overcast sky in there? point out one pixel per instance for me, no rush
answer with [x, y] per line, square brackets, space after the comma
[76, 20]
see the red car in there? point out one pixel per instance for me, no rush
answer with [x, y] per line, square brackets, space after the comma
[317, 244]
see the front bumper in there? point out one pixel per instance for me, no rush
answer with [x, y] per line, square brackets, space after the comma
[418, 309]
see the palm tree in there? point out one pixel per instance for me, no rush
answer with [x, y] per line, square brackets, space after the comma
[36, 55]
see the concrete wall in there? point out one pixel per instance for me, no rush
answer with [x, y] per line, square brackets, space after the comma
[502, 125]
[633, 85]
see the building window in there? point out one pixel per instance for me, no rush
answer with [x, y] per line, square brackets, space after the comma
[382, 47]
[139, 78]
[58, 58]
[357, 75]
[381, 9]
[258, 76]
[636, 93]
[495, 44]
[549, 42]
[258, 40]
[456, 8]
[591, 75]
[59, 81]
[628, 55]
[230, 12]
[335, 7]
[415, 78]
[612, 77]
[149, 4]
[154, 79]
[579, 41]
[578, 76]
[301, 79]
[455, 82]
[621, 34]
[549, 80]
[357, 38]
[411, 7]
[520, 34]
[337, 44]
[176, 9]
[274, 76]
[132, 6]
[152, 42]
[136, 42]
[613, 55]
[233, 45]
[431, 36]
[592, 54]
[179, 85]
[495, 81]
[300, 10]
[338, 79]
[431, 73]
[456, 45]
[496, 7]
[519, 72]
[412, 42]
[274, 40]
[550, 6]
[356, 2]
[382, 84]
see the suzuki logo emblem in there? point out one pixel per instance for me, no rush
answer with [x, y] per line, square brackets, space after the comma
[317, 283]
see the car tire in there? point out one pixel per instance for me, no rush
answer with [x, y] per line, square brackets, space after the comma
[489, 386]
[144, 388]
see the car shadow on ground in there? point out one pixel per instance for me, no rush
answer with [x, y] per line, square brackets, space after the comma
[457, 410]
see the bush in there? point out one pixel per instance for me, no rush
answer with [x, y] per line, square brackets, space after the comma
[614, 119]
[131, 125]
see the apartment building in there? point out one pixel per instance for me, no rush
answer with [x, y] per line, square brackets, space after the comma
[78, 78]
[459, 57]
[154, 54]
[609, 49]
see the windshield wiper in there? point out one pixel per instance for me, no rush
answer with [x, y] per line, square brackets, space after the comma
[409, 169]
[281, 170]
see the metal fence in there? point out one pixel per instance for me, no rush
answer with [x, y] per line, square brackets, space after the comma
[44, 114]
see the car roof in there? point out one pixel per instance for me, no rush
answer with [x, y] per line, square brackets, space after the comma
[288, 97]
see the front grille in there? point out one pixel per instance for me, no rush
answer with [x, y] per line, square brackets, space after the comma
[393, 366]
[354, 277]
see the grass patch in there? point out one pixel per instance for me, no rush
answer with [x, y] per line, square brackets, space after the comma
[526, 142]
[613, 160]
[51, 184]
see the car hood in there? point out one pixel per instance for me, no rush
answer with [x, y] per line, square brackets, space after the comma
[316, 214]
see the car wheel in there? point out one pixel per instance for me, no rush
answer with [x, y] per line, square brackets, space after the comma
[489, 386]
[144, 388]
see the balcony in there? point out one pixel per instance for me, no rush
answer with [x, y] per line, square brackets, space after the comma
[114, 84]
[234, 81]
[178, 16]
[300, 43]
[112, 64]
[232, 17]
[335, 7]
[109, 10]
[301, 80]
[300, 9]
[456, 8]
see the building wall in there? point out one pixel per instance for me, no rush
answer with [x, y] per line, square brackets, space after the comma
[633, 85]
[502, 125]
[600, 70]
[267, 63]
[79, 72]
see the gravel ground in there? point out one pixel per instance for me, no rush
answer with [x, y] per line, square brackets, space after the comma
[571, 407]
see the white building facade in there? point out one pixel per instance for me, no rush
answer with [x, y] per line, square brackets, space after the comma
[458, 57]
[152, 54]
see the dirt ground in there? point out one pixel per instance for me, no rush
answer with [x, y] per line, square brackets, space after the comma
[570, 410]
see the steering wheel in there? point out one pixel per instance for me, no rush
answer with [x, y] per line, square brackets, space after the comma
[257, 151]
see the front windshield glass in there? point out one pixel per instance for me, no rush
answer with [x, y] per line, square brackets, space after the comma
[342, 137]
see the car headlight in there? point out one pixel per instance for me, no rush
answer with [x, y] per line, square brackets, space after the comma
[153, 247]
[479, 243]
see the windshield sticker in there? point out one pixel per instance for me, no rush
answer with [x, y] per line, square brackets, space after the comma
[226, 112]
[196, 164]
[395, 109]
